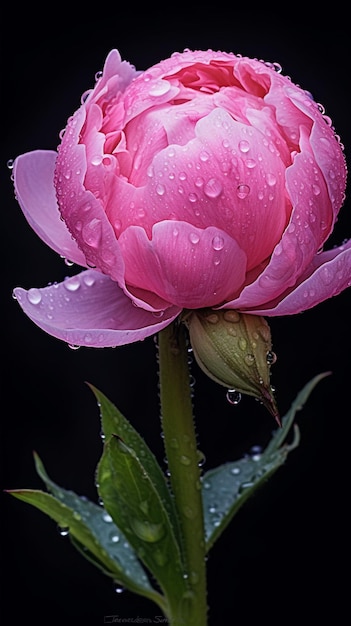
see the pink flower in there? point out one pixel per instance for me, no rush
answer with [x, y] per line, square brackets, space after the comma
[209, 180]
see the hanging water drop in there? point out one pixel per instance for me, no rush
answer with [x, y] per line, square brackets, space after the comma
[271, 357]
[233, 396]
[63, 530]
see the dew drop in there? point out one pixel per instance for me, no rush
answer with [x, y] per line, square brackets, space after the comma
[159, 88]
[88, 280]
[72, 284]
[185, 460]
[192, 197]
[194, 238]
[244, 146]
[244, 486]
[249, 359]
[201, 458]
[213, 188]
[212, 318]
[217, 242]
[107, 518]
[271, 357]
[233, 396]
[204, 156]
[92, 232]
[147, 531]
[34, 296]
[242, 191]
[271, 179]
[231, 316]
[63, 531]
[235, 471]
[242, 343]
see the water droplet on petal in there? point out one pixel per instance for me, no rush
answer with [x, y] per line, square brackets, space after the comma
[88, 280]
[92, 232]
[271, 179]
[34, 296]
[242, 191]
[213, 188]
[217, 242]
[159, 88]
[244, 146]
[194, 238]
[72, 284]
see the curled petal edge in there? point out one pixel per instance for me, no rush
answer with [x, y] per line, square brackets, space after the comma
[328, 275]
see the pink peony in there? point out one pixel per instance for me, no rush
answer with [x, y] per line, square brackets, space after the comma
[209, 180]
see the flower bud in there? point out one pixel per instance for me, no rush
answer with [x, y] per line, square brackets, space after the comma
[235, 350]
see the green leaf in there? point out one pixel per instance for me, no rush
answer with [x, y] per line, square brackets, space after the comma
[114, 423]
[130, 497]
[226, 488]
[93, 532]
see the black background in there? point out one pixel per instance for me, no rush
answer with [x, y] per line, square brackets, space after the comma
[283, 557]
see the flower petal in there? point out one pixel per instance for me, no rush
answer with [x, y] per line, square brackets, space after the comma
[310, 223]
[35, 192]
[328, 275]
[82, 211]
[186, 266]
[326, 149]
[89, 309]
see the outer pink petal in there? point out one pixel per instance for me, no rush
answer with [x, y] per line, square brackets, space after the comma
[35, 192]
[82, 211]
[329, 275]
[311, 219]
[89, 309]
[186, 266]
[326, 150]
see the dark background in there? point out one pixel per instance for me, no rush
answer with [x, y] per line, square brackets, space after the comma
[283, 557]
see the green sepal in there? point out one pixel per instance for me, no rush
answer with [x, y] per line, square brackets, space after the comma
[136, 506]
[226, 488]
[113, 422]
[93, 532]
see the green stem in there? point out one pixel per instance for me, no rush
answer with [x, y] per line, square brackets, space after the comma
[183, 464]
